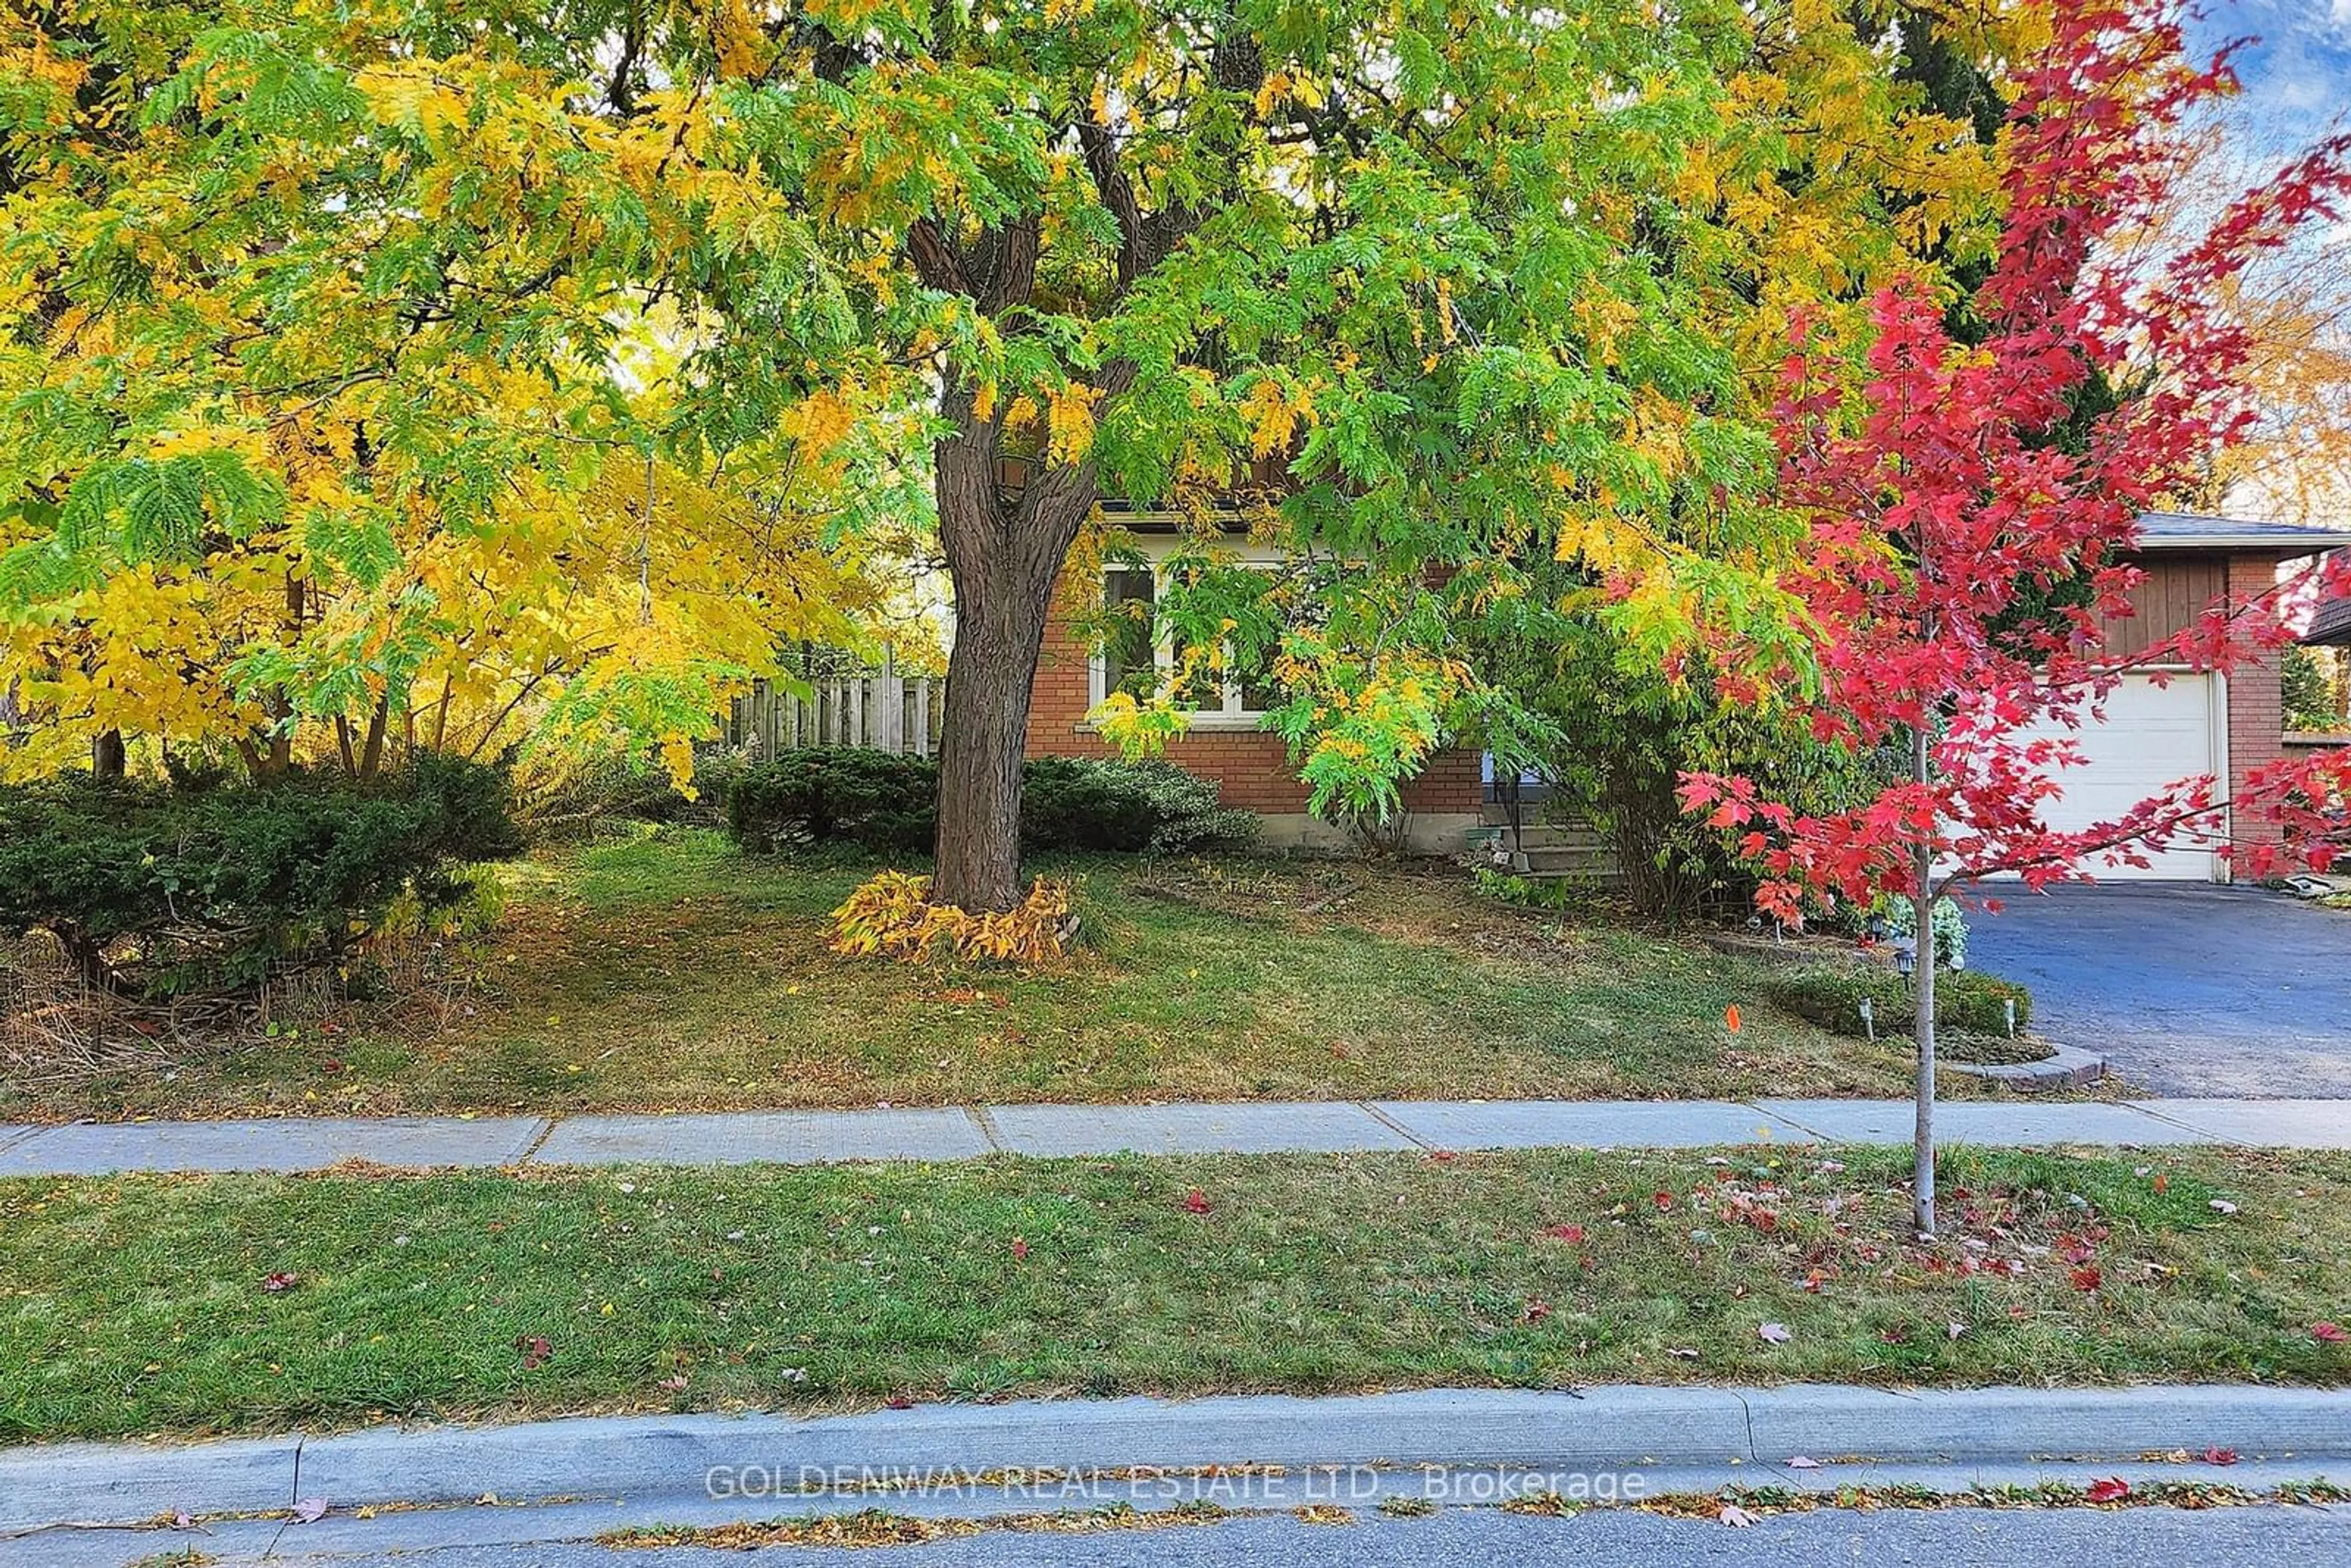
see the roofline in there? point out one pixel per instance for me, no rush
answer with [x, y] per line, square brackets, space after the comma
[2320, 541]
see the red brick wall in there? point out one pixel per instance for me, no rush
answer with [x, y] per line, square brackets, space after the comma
[1250, 769]
[2256, 706]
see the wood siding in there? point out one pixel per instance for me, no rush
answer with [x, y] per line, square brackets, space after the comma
[2178, 589]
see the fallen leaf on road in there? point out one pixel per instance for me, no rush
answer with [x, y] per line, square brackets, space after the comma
[2220, 1456]
[1803, 1462]
[2113, 1488]
[899, 1402]
[1735, 1517]
[309, 1510]
[1774, 1333]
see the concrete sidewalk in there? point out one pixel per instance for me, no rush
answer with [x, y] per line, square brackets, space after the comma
[957, 1132]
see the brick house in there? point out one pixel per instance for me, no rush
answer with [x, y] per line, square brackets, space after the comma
[2194, 723]
[1250, 767]
[2152, 733]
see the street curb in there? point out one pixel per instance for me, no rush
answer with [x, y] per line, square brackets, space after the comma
[2065, 1067]
[1611, 1430]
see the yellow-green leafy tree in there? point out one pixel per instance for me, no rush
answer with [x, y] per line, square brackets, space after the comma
[340, 401]
[389, 303]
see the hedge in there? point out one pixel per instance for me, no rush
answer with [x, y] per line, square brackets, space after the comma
[159, 889]
[1831, 996]
[888, 803]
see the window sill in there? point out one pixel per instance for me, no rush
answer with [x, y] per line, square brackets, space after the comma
[1202, 723]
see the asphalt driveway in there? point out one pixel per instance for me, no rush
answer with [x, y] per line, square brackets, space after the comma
[2189, 989]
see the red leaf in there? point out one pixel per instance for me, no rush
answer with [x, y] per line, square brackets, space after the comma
[1020, 1248]
[278, 1284]
[1731, 1017]
[1196, 1201]
[2113, 1488]
[1570, 1234]
[1537, 1309]
[2327, 1334]
[535, 1351]
[2220, 1456]
[2087, 1277]
[1664, 1200]
[899, 1402]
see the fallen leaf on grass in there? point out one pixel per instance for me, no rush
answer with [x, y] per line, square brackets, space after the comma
[1683, 1352]
[1570, 1234]
[535, 1350]
[278, 1284]
[1731, 1017]
[1020, 1248]
[1195, 1202]
[2113, 1488]
[1773, 1333]
[2327, 1334]
[2087, 1277]
[899, 1402]
[2222, 1205]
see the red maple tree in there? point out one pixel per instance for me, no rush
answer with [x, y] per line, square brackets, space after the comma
[1970, 527]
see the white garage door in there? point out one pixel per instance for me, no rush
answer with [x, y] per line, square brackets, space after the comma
[2153, 735]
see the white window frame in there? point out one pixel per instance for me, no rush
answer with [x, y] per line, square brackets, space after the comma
[1156, 550]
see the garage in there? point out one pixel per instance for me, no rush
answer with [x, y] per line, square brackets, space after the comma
[2153, 735]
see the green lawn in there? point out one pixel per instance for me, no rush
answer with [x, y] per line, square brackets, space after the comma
[140, 1305]
[671, 971]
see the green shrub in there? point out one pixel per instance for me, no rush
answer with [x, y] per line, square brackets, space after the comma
[884, 801]
[1831, 996]
[890, 804]
[200, 887]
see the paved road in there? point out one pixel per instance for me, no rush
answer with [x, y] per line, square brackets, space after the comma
[2189, 989]
[1479, 1538]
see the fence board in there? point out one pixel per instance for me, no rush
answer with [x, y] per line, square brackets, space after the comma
[875, 710]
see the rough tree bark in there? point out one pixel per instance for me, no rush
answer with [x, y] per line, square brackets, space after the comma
[1004, 559]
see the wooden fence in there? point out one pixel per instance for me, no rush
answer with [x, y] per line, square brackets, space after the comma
[873, 710]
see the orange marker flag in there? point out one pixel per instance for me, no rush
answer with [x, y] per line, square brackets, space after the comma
[1731, 1017]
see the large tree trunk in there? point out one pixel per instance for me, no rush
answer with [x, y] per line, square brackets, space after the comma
[1004, 559]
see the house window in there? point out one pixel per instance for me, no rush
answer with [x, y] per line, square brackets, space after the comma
[1129, 662]
[1137, 659]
